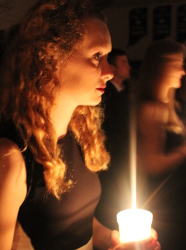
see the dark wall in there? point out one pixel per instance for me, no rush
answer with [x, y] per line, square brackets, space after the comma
[133, 28]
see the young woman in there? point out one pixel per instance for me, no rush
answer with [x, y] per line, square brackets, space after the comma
[52, 78]
[161, 140]
[161, 73]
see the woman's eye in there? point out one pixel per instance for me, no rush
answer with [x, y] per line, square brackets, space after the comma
[97, 56]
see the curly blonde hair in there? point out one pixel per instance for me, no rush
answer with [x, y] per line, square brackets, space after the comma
[29, 81]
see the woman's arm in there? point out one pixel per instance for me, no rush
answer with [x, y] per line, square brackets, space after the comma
[101, 236]
[13, 190]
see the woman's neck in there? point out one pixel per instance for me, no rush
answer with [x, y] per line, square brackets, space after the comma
[61, 119]
[162, 93]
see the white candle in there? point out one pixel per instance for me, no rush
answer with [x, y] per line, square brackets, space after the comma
[134, 224]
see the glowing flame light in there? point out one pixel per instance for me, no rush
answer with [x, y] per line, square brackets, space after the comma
[133, 153]
[134, 224]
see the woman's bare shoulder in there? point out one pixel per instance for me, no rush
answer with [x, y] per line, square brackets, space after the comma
[10, 153]
[153, 105]
[154, 111]
[12, 167]
[152, 117]
[13, 189]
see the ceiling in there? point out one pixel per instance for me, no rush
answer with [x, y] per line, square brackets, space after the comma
[12, 10]
[107, 3]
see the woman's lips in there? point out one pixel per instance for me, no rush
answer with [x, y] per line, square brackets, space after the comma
[102, 88]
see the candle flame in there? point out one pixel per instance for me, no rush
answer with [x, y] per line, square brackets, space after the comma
[134, 224]
[133, 152]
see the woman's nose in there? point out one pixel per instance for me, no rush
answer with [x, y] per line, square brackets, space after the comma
[183, 72]
[107, 72]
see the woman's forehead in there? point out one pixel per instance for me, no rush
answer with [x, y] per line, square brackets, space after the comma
[97, 33]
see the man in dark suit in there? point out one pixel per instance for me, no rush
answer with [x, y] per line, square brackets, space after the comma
[116, 97]
[116, 126]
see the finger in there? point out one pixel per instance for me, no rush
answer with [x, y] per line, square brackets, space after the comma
[151, 240]
[115, 238]
[154, 234]
[158, 246]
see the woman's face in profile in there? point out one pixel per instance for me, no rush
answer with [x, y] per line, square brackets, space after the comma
[83, 77]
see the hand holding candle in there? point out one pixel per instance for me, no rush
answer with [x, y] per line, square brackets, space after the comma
[150, 243]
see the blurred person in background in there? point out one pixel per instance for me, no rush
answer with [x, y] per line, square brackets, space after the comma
[116, 103]
[161, 142]
[181, 99]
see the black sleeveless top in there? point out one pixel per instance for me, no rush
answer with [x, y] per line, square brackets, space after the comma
[64, 224]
